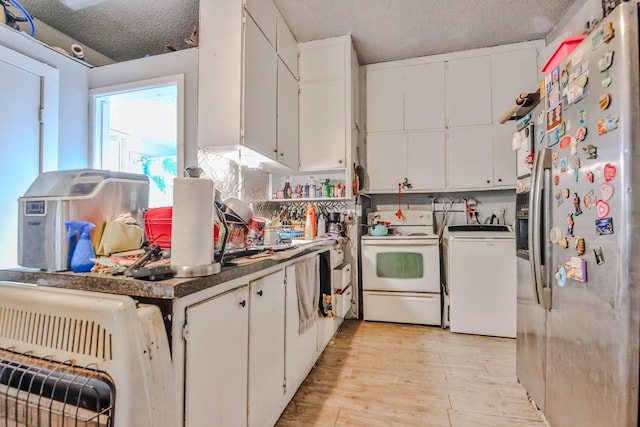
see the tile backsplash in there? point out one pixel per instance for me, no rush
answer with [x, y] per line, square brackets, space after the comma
[232, 179]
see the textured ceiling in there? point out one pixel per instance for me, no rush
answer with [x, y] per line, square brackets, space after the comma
[382, 30]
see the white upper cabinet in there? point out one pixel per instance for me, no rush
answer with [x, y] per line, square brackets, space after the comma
[468, 89]
[385, 100]
[386, 160]
[265, 13]
[426, 160]
[322, 60]
[322, 125]
[512, 73]
[287, 117]
[470, 158]
[261, 68]
[287, 47]
[326, 105]
[424, 96]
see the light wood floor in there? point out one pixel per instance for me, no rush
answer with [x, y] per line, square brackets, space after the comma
[383, 374]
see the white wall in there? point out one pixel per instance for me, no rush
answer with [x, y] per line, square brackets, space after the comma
[74, 106]
[180, 62]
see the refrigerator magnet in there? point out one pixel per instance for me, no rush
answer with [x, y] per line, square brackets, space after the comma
[576, 269]
[553, 137]
[608, 33]
[556, 181]
[606, 192]
[564, 166]
[604, 226]
[554, 160]
[590, 176]
[602, 209]
[540, 135]
[581, 133]
[565, 142]
[565, 245]
[576, 204]
[558, 197]
[555, 234]
[609, 172]
[604, 101]
[596, 40]
[566, 193]
[599, 255]
[582, 117]
[580, 246]
[606, 61]
[576, 168]
[589, 200]
[561, 275]
[606, 82]
[591, 151]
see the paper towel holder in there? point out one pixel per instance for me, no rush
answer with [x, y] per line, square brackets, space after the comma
[196, 270]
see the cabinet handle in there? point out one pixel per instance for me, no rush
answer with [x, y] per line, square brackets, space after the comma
[340, 161]
[499, 179]
[488, 181]
[260, 292]
[243, 303]
[281, 154]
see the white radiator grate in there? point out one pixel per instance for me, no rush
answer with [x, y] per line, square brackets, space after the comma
[55, 332]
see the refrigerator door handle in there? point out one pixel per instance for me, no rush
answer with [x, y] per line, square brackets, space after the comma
[545, 268]
[534, 226]
[539, 214]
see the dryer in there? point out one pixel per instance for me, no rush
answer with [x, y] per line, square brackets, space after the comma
[479, 263]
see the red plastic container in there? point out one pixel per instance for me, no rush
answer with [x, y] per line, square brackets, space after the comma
[563, 50]
[157, 226]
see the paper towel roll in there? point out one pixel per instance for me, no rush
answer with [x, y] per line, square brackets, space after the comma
[192, 222]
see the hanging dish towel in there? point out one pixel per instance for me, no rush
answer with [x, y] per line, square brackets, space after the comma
[308, 287]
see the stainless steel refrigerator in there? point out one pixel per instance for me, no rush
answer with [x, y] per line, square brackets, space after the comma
[578, 234]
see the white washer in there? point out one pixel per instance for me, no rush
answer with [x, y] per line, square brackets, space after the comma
[480, 279]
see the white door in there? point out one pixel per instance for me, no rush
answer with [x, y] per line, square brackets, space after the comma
[504, 158]
[470, 158]
[468, 89]
[426, 160]
[322, 125]
[385, 100]
[424, 96]
[287, 117]
[216, 362]
[386, 160]
[266, 349]
[400, 266]
[20, 147]
[260, 73]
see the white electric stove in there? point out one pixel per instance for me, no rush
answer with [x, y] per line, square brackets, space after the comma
[401, 271]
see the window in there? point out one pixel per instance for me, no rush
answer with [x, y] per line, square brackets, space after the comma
[138, 129]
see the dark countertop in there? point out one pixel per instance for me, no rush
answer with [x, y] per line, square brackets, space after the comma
[163, 289]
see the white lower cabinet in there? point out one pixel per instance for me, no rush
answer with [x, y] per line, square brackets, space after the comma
[216, 362]
[300, 348]
[266, 349]
[244, 357]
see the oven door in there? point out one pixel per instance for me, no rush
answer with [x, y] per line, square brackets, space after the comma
[400, 266]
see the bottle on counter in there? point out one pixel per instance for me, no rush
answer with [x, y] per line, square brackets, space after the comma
[310, 225]
[288, 192]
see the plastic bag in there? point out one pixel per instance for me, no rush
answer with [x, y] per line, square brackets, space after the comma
[121, 234]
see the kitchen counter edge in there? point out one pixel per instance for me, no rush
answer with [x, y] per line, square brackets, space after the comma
[163, 289]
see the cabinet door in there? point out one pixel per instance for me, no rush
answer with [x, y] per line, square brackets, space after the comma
[424, 97]
[287, 47]
[264, 13]
[470, 158]
[322, 125]
[287, 117]
[385, 100]
[300, 348]
[504, 158]
[322, 61]
[426, 160]
[266, 349]
[216, 371]
[511, 74]
[386, 160]
[261, 68]
[468, 89]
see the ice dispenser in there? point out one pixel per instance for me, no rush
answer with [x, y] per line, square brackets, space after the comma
[54, 197]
